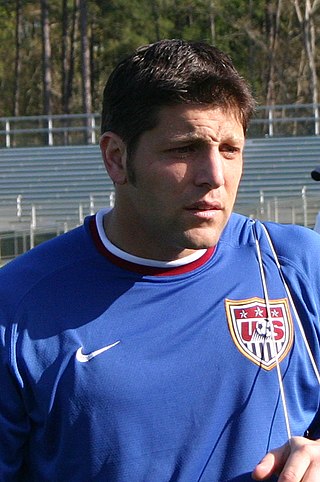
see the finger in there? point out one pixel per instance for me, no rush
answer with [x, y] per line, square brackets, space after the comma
[302, 465]
[272, 463]
[312, 474]
[296, 461]
[265, 468]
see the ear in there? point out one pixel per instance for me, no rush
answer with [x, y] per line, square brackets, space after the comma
[114, 155]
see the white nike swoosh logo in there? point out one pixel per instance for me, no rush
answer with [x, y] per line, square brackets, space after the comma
[85, 357]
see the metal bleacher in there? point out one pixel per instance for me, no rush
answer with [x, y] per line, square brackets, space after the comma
[280, 166]
[277, 171]
[54, 187]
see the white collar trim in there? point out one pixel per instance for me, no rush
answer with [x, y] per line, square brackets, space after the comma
[136, 259]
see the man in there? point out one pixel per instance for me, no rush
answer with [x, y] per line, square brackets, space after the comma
[162, 341]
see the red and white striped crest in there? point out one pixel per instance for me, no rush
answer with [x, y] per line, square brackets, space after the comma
[260, 337]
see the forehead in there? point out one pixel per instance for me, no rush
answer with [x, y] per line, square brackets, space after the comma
[198, 120]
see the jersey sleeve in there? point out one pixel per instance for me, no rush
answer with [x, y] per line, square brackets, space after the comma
[14, 424]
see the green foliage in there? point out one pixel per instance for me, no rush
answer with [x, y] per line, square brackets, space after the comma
[243, 28]
[7, 38]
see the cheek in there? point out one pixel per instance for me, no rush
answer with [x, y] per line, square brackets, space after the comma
[168, 179]
[234, 175]
[176, 174]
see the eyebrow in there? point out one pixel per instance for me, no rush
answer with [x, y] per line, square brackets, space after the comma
[202, 139]
[191, 137]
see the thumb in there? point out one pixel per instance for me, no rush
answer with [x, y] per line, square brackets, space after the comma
[271, 464]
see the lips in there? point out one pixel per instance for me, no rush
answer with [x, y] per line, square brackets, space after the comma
[205, 206]
[204, 210]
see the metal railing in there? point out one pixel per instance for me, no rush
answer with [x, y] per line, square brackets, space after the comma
[30, 223]
[300, 210]
[25, 224]
[273, 120]
[51, 130]
[31, 231]
[286, 120]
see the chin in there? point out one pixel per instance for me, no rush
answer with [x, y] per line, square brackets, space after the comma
[201, 242]
[203, 237]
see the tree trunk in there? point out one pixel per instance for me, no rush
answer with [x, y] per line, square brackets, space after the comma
[17, 67]
[212, 22]
[85, 67]
[67, 54]
[274, 13]
[300, 77]
[308, 31]
[46, 66]
[64, 58]
[46, 58]
[310, 45]
[75, 18]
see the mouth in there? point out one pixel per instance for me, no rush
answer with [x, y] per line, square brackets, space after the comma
[205, 210]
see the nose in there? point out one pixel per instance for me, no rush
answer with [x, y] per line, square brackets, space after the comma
[210, 168]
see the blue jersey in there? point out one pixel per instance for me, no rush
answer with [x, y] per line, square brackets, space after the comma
[122, 371]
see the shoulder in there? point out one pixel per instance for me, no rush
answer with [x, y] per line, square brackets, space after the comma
[238, 231]
[293, 239]
[40, 264]
[295, 245]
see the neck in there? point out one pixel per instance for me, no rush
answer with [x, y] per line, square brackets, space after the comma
[125, 237]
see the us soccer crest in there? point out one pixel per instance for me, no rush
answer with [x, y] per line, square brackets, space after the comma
[261, 337]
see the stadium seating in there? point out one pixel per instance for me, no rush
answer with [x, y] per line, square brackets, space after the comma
[277, 173]
[59, 185]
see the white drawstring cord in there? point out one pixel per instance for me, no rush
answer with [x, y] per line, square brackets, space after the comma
[280, 381]
[304, 337]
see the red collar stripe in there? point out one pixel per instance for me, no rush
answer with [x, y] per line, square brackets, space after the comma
[141, 269]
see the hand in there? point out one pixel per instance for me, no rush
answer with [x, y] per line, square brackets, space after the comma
[296, 461]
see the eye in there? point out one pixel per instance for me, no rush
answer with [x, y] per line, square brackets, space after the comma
[182, 151]
[229, 150]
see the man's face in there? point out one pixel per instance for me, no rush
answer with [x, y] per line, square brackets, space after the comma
[187, 171]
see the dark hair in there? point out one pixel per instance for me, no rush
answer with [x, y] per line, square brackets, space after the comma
[170, 72]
